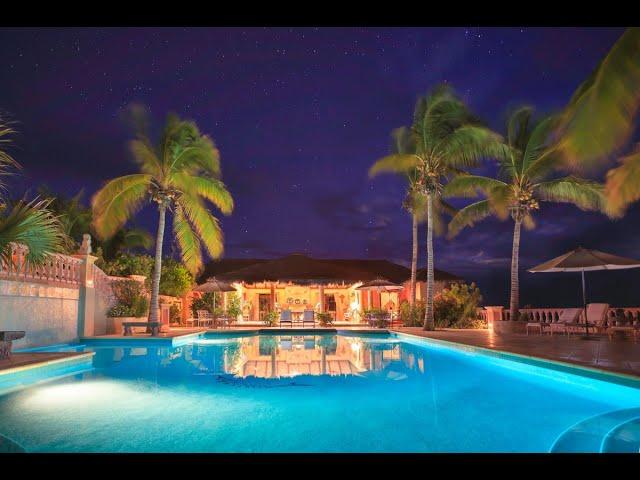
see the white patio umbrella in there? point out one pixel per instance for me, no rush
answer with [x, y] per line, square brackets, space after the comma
[585, 260]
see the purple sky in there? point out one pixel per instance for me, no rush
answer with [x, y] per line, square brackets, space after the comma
[299, 115]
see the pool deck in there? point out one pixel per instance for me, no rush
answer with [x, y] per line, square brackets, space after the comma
[619, 356]
[28, 360]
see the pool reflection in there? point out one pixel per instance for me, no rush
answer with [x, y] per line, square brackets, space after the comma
[267, 356]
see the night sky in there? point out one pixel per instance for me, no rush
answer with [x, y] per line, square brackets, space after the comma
[299, 115]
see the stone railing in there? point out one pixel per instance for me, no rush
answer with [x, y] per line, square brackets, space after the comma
[620, 315]
[57, 269]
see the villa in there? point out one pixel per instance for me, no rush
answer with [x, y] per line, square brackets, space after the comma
[298, 282]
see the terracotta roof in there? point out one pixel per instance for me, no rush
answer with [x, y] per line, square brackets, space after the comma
[300, 268]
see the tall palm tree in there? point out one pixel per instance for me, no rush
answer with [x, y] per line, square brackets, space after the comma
[402, 144]
[180, 173]
[447, 139]
[29, 223]
[526, 177]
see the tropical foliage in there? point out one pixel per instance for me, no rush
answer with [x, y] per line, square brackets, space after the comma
[130, 299]
[456, 307]
[527, 176]
[176, 280]
[446, 139]
[30, 223]
[179, 173]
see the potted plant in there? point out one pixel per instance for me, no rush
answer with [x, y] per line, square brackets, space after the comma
[131, 305]
[325, 319]
[270, 318]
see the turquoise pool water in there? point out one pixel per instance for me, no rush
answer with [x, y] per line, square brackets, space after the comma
[317, 393]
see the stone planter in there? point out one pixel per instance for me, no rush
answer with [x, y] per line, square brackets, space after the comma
[507, 327]
[114, 324]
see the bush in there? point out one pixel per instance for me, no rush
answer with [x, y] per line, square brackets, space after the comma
[412, 316]
[205, 302]
[174, 314]
[270, 318]
[175, 279]
[126, 264]
[233, 306]
[131, 300]
[455, 307]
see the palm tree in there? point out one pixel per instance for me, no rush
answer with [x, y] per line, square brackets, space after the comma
[525, 179]
[600, 120]
[29, 223]
[179, 173]
[402, 144]
[447, 139]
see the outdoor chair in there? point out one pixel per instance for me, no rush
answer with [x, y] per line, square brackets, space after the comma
[204, 317]
[629, 326]
[6, 338]
[308, 317]
[285, 317]
[568, 316]
[596, 318]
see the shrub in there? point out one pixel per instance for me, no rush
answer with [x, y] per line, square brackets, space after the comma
[126, 264]
[175, 279]
[325, 319]
[270, 318]
[174, 314]
[412, 316]
[455, 307]
[205, 302]
[131, 300]
[233, 306]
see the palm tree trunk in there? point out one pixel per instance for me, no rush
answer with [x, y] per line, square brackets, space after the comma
[414, 258]
[428, 313]
[515, 284]
[157, 267]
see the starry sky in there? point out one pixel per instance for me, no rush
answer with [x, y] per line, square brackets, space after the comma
[299, 115]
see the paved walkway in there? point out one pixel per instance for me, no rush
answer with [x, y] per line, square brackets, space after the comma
[617, 355]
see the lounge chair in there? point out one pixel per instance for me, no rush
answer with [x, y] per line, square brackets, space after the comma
[568, 316]
[596, 318]
[629, 326]
[285, 317]
[308, 316]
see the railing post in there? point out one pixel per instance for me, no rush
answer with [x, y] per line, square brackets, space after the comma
[494, 314]
[87, 300]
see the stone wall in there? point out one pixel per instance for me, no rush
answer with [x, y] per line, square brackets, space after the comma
[48, 314]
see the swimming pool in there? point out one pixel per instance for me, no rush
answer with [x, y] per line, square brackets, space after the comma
[306, 392]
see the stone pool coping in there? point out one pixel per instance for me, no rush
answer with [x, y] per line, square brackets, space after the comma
[627, 380]
[23, 361]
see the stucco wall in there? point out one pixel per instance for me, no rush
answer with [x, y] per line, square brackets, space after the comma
[48, 314]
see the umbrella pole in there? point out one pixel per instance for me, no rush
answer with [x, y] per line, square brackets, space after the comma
[584, 304]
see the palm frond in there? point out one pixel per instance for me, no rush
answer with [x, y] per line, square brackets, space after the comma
[470, 185]
[146, 157]
[465, 146]
[31, 224]
[211, 189]
[203, 223]
[622, 186]
[518, 127]
[585, 194]
[600, 117]
[188, 241]
[539, 142]
[117, 201]
[7, 163]
[137, 238]
[468, 216]
[528, 222]
[395, 163]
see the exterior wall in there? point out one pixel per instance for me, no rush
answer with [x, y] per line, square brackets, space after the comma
[65, 298]
[48, 314]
